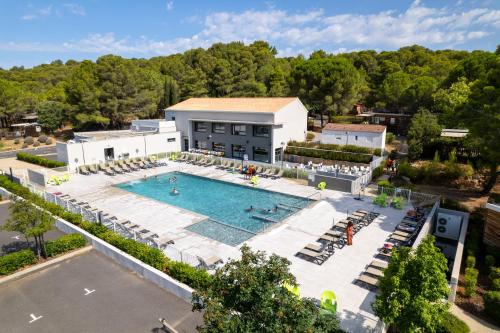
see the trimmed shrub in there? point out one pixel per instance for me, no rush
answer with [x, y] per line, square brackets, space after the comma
[385, 183]
[29, 140]
[64, 244]
[378, 171]
[495, 285]
[11, 262]
[49, 141]
[470, 281]
[492, 304]
[452, 324]
[329, 154]
[398, 203]
[495, 273]
[489, 262]
[471, 262]
[36, 144]
[16, 141]
[39, 160]
[473, 242]
[310, 136]
[196, 278]
[42, 138]
[25, 146]
[381, 200]
[389, 137]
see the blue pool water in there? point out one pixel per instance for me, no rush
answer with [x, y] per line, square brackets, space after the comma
[224, 203]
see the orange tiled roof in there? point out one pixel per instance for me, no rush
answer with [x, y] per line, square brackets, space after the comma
[355, 128]
[234, 104]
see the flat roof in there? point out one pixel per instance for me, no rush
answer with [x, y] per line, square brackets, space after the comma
[234, 104]
[454, 133]
[355, 128]
[103, 135]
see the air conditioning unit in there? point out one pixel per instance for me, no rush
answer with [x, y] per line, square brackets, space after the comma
[448, 226]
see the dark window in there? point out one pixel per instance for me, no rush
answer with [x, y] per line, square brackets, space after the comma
[173, 118]
[218, 128]
[220, 147]
[262, 131]
[261, 154]
[200, 144]
[238, 151]
[186, 144]
[171, 140]
[239, 130]
[200, 127]
[356, 138]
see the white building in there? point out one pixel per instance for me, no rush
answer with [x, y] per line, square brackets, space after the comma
[146, 137]
[256, 127]
[362, 135]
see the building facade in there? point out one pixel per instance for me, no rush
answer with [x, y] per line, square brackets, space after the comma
[255, 128]
[362, 135]
[146, 137]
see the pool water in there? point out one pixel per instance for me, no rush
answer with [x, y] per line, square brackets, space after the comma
[225, 204]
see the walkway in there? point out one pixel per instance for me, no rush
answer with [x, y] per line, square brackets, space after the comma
[476, 325]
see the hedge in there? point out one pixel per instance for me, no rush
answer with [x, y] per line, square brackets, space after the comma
[11, 262]
[452, 324]
[39, 160]
[64, 244]
[492, 304]
[153, 257]
[339, 148]
[329, 154]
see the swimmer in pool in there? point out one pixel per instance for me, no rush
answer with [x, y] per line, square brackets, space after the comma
[174, 191]
[249, 209]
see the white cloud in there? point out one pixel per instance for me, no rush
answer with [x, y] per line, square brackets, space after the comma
[51, 10]
[74, 8]
[303, 32]
[170, 5]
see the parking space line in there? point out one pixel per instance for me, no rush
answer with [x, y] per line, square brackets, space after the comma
[34, 318]
[88, 292]
[15, 237]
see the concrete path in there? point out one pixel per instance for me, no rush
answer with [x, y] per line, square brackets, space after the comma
[476, 325]
[35, 151]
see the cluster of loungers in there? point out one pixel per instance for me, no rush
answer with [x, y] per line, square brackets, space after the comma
[121, 166]
[403, 235]
[335, 237]
[230, 166]
[113, 222]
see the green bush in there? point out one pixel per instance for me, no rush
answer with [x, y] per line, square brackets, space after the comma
[64, 244]
[470, 281]
[495, 273]
[378, 171]
[196, 278]
[492, 304]
[310, 136]
[389, 137]
[29, 140]
[42, 138]
[385, 183]
[451, 324]
[11, 262]
[295, 173]
[406, 170]
[472, 243]
[381, 200]
[39, 160]
[398, 203]
[495, 285]
[329, 154]
[489, 262]
[471, 262]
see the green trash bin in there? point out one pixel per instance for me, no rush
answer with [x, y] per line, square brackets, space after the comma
[328, 301]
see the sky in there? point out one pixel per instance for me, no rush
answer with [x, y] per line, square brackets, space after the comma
[40, 31]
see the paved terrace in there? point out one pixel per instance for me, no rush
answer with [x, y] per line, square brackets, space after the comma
[285, 239]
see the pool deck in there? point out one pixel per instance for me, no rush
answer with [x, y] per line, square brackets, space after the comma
[285, 239]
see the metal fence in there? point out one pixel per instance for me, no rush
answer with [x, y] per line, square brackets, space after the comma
[417, 199]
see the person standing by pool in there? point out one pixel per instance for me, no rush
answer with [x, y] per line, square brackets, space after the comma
[349, 230]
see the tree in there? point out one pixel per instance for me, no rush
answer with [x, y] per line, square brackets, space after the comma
[31, 222]
[394, 88]
[248, 295]
[449, 101]
[50, 115]
[424, 128]
[413, 291]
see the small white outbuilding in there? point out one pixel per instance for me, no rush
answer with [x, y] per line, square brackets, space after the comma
[362, 135]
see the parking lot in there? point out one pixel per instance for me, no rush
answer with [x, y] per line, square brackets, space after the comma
[90, 293]
[14, 241]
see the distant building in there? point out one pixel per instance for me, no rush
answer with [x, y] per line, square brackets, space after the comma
[454, 133]
[396, 123]
[362, 135]
[145, 137]
[256, 127]
[491, 235]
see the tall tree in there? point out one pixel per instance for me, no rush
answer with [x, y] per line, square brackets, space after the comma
[50, 115]
[249, 295]
[424, 128]
[414, 288]
[31, 222]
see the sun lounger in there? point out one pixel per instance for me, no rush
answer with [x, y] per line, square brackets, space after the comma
[339, 241]
[131, 165]
[374, 271]
[163, 241]
[316, 257]
[222, 165]
[385, 254]
[146, 163]
[209, 263]
[379, 264]
[265, 173]
[147, 234]
[279, 174]
[209, 163]
[314, 247]
[93, 169]
[402, 233]
[123, 166]
[402, 239]
[83, 170]
[368, 280]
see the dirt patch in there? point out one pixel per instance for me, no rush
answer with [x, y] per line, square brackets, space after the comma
[471, 199]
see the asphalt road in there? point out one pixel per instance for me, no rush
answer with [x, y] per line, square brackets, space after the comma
[90, 293]
[14, 241]
[36, 151]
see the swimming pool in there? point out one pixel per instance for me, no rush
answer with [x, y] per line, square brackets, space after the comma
[225, 204]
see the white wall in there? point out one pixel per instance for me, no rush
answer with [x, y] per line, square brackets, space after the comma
[364, 139]
[294, 120]
[77, 154]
